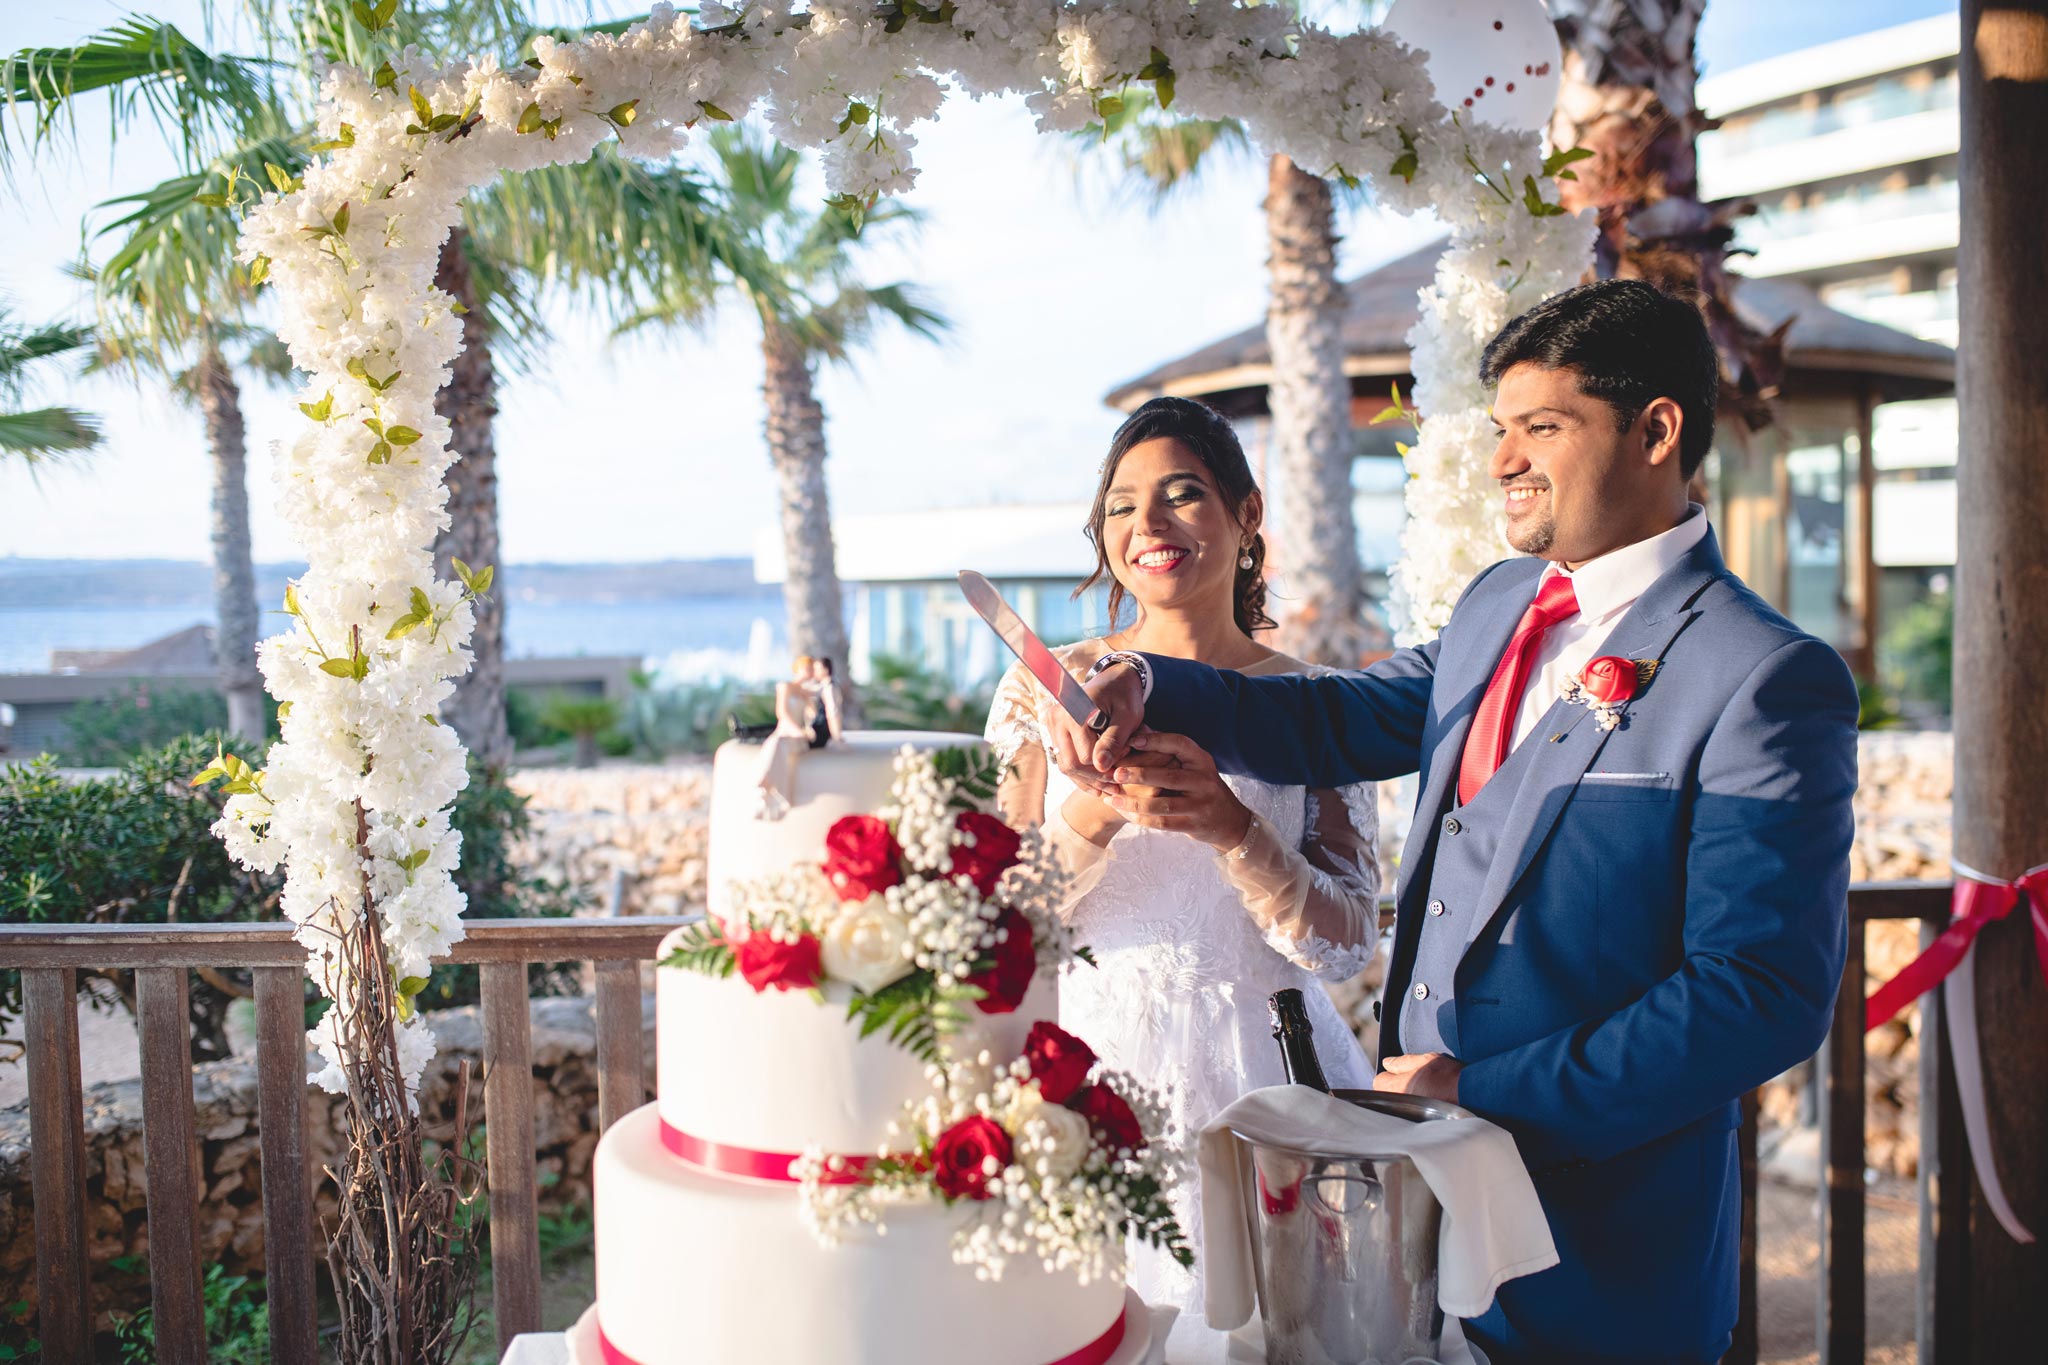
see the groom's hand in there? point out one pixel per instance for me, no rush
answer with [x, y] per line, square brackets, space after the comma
[1119, 696]
[1432, 1075]
[1087, 754]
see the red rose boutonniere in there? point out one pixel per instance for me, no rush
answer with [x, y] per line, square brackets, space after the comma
[1607, 684]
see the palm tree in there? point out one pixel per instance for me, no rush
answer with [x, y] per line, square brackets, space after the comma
[1628, 96]
[1310, 396]
[172, 303]
[37, 435]
[211, 101]
[796, 265]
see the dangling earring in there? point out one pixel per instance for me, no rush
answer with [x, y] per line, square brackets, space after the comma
[1244, 558]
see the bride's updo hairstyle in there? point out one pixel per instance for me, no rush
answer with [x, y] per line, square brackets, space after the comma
[1209, 435]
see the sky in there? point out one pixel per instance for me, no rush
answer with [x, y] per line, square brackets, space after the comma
[1060, 284]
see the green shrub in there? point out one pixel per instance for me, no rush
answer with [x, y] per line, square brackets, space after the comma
[237, 1320]
[523, 722]
[1918, 651]
[136, 847]
[106, 732]
[689, 718]
[905, 695]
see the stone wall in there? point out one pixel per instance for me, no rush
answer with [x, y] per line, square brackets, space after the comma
[643, 828]
[230, 1158]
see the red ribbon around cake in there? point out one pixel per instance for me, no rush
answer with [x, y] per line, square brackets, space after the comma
[1096, 1352]
[750, 1162]
[1949, 963]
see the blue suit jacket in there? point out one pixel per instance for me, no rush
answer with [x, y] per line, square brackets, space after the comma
[1651, 947]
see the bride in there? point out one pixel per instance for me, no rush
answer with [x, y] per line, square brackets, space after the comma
[1201, 900]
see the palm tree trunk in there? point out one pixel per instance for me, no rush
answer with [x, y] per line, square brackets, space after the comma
[469, 401]
[1628, 96]
[234, 576]
[1310, 399]
[796, 445]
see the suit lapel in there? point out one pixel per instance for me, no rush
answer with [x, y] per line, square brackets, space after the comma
[1646, 632]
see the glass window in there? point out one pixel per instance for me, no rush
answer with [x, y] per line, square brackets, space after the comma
[1816, 468]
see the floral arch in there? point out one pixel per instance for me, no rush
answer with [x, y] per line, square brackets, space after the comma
[354, 799]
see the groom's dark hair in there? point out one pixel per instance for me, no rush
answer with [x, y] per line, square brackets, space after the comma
[1630, 343]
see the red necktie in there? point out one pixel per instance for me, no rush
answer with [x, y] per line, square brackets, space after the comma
[1493, 726]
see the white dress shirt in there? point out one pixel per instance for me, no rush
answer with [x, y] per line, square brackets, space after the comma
[1606, 588]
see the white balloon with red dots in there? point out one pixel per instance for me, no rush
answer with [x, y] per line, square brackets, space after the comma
[1493, 60]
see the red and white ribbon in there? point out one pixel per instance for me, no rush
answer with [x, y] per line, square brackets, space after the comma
[1950, 963]
[1096, 1352]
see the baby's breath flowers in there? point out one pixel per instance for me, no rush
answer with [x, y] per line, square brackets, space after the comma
[1061, 1183]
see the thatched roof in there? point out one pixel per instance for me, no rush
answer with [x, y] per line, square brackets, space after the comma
[1233, 372]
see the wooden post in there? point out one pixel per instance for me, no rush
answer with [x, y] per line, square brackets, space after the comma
[2001, 709]
[1841, 1165]
[56, 1127]
[288, 1228]
[170, 1160]
[508, 1144]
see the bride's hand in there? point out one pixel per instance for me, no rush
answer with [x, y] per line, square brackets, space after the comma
[1090, 817]
[1172, 783]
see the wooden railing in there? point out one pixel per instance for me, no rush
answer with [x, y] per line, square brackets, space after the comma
[49, 957]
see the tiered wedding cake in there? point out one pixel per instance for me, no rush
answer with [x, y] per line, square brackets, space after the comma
[774, 1204]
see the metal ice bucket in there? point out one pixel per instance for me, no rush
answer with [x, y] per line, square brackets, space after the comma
[1344, 1247]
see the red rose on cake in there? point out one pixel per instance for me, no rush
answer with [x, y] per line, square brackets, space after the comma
[766, 962]
[989, 849]
[1007, 978]
[1110, 1117]
[862, 857]
[1609, 679]
[1060, 1062]
[962, 1155]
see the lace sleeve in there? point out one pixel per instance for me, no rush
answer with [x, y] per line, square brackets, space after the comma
[1016, 735]
[1318, 905]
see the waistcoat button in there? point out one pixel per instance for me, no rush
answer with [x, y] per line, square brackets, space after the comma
[1436, 907]
[1421, 991]
[1451, 825]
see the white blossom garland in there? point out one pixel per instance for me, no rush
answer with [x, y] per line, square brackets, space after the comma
[351, 250]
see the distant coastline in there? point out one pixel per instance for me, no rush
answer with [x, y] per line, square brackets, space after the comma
[26, 582]
[692, 617]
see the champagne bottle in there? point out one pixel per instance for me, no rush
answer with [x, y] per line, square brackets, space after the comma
[1292, 1030]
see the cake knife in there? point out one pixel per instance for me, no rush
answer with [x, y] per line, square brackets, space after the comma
[1010, 628]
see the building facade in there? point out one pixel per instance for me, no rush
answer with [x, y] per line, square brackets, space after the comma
[1849, 151]
[899, 571]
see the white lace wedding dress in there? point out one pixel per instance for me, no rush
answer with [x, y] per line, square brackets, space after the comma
[1189, 945]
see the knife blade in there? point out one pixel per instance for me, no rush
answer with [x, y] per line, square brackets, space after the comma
[1011, 630]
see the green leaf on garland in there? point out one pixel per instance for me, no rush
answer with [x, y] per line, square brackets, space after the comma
[321, 410]
[259, 270]
[529, 119]
[624, 114]
[713, 112]
[339, 668]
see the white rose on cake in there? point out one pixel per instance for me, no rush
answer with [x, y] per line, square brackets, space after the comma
[1052, 1140]
[867, 946]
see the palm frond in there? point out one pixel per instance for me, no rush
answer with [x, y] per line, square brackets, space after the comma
[173, 277]
[145, 66]
[45, 433]
[21, 348]
[1154, 155]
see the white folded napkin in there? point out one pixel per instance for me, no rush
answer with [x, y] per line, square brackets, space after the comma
[1493, 1226]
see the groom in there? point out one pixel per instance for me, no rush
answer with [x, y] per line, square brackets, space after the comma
[1613, 920]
